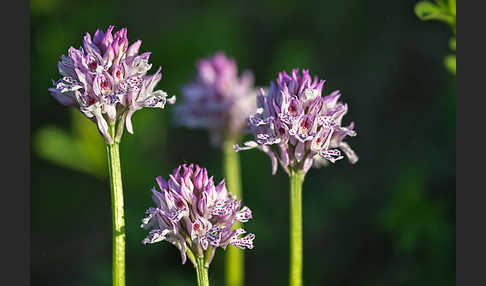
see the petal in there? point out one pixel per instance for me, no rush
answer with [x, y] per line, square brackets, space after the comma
[133, 49]
[273, 157]
[98, 36]
[179, 242]
[108, 57]
[222, 208]
[299, 151]
[157, 99]
[274, 160]
[102, 126]
[331, 155]
[88, 45]
[214, 236]
[246, 241]
[110, 111]
[204, 242]
[284, 155]
[352, 157]
[162, 183]
[61, 98]
[248, 145]
[156, 235]
[128, 121]
[243, 215]
[171, 100]
[107, 38]
[308, 163]
[158, 199]
[331, 100]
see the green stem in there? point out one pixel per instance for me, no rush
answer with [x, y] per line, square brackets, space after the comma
[234, 259]
[202, 272]
[118, 259]
[296, 179]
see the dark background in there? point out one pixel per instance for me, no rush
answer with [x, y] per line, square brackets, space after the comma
[388, 220]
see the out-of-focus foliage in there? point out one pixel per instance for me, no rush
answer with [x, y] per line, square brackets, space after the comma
[442, 10]
[450, 62]
[388, 220]
[83, 150]
[445, 12]
[412, 219]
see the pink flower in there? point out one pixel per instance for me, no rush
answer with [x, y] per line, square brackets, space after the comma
[106, 79]
[217, 99]
[298, 127]
[196, 215]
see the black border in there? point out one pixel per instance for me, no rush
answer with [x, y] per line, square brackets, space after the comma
[15, 209]
[470, 155]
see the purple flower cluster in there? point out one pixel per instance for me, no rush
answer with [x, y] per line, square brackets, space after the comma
[107, 77]
[196, 215]
[298, 127]
[217, 99]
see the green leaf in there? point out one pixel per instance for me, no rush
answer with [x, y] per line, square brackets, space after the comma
[452, 44]
[425, 9]
[83, 150]
[429, 11]
[86, 133]
[452, 7]
[450, 63]
[442, 4]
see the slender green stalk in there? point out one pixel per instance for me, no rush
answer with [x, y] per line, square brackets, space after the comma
[202, 272]
[235, 259]
[118, 259]
[295, 266]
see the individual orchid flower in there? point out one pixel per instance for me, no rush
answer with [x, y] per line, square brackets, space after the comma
[107, 80]
[296, 126]
[217, 99]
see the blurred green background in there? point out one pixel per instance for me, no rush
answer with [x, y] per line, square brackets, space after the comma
[388, 220]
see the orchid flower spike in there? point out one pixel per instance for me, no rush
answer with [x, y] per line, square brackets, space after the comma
[217, 99]
[107, 80]
[298, 127]
[195, 215]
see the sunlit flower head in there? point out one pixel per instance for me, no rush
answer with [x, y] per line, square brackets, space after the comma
[106, 79]
[298, 127]
[217, 99]
[195, 215]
